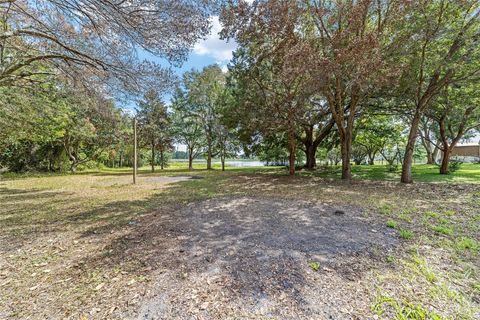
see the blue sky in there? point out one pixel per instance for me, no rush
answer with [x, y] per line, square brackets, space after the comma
[209, 51]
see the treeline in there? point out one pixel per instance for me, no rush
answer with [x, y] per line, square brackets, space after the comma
[54, 128]
[368, 76]
[64, 63]
[339, 81]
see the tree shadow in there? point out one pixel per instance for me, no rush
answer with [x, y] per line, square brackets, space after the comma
[259, 247]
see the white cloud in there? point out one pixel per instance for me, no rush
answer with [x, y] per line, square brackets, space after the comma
[213, 46]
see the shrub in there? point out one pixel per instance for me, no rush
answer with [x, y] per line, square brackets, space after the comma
[454, 164]
[392, 167]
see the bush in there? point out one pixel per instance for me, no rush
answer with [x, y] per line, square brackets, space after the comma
[454, 165]
[392, 167]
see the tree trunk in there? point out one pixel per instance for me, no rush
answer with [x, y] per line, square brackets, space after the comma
[209, 159]
[427, 145]
[291, 150]
[209, 152]
[161, 159]
[346, 150]
[153, 157]
[346, 167]
[223, 162]
[371, 158]
[310, 152]
[435, 155]
[430, 157]
[312, 144]
[345, 130]
[310, 148]
[428, 148]
[190, 159]
[445, 161]
[409, 149]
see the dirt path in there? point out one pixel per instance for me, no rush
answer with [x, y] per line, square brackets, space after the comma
[238, 258]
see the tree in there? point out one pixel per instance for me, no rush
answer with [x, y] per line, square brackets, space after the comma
[204, 93]
[52, 126]
[272, 68]
[187, 128]
[373, 133]
[457, 114]
[393, 142]
[154, 126]
[79, 37]
[227, 144]
[334, 156]
[227, 137]
[355, 42]
[443, 48]
[427, 134]
[317, 125]
[91, 130]
[123, 147]
[32, 120]
[345, 45]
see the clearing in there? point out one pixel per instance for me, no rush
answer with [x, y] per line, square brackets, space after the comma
[246, 243]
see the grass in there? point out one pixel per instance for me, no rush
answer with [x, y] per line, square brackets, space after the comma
[74, 242]
[467, 244]
[468, 173]
[443, 230]
[402, 310]
[405, 234]
[391, 224]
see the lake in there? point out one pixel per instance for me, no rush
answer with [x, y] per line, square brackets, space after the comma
[232, 163]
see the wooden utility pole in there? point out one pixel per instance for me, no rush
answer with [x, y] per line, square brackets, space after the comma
[134, 150]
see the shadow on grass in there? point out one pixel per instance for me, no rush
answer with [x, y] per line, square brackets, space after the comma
[468, 173]
[261, 247]
[175, 231]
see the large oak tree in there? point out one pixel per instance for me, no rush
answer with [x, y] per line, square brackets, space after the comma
[95, 37]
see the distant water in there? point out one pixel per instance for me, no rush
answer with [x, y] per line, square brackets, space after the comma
[232, 163]
[252, 163]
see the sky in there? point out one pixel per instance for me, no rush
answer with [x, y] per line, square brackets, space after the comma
[211, 50]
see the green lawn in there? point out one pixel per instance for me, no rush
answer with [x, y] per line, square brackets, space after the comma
[468, 173]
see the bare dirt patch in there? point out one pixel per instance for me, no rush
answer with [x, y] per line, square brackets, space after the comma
[249, 257]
